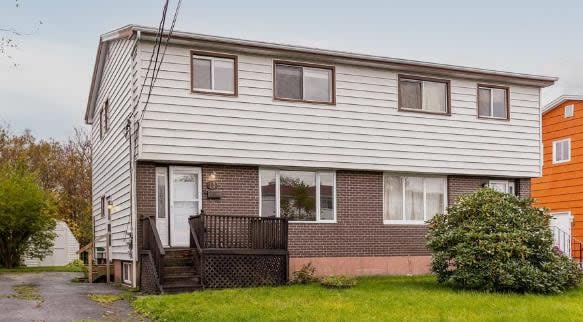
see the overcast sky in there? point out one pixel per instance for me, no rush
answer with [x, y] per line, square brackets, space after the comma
[47, 91]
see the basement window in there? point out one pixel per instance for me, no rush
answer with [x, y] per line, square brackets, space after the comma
[127, 272]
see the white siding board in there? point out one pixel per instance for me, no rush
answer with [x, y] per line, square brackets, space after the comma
[110, 159]
[364, 130]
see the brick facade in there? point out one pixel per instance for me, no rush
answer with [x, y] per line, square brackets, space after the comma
[359, 230]
[238, 187]
[358, 233]
[460, 185]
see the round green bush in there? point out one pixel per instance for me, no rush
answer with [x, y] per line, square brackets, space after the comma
[498, 242]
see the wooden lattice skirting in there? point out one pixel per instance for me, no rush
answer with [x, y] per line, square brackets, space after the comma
[243, 270]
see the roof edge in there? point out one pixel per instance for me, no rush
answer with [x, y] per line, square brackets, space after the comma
[560, 100]
[544, 80]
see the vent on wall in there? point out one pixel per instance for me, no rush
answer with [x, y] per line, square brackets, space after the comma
[569, 110]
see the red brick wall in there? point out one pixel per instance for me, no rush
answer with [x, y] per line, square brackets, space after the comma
[359, 230]
[238, 187]
[524, 188]
[460, 185]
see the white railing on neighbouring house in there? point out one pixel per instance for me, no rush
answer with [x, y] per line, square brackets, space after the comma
[562, 240]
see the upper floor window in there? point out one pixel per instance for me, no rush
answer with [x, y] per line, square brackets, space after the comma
[562, 151]
[493, 102]
[104, 119]
[214, 73]
[569, 111]
[423, 94]
[413, 200]
[309, 83]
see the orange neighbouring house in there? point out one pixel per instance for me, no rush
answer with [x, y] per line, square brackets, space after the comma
[560, 189]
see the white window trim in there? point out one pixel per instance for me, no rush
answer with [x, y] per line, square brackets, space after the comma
[571, 109]
[213, 59]
[406, 221]
[126, 279]
[159, 172]
[555, 161]
[277, 196]
[491, 110]
[508, 183]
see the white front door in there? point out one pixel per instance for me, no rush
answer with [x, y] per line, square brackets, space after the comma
[185, 196]
[162, 205]
[561, 226]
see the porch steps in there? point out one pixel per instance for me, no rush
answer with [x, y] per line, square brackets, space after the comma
[178, 272]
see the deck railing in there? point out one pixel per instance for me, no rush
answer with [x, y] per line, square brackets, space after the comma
[240, 232]
[236, 251]
[153, 244]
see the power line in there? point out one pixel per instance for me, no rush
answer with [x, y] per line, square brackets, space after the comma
[157, 65]
[168, 37]
[155, 52]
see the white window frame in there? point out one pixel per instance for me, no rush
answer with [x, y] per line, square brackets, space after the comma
[331, 82]
[213, 60]
[491, 110]
[407, 221]
[126, 279]
[424, 108]
[555, 143]
[569, 111]
[162, 171]
[277, 195]
[510, 184]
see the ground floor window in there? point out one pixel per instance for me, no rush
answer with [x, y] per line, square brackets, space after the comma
[299, 195]
[413, 200]
[505, 186]
[126, 272]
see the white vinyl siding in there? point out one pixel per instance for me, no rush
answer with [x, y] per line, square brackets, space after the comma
[562, 151]
[364, 130]
[110, 164]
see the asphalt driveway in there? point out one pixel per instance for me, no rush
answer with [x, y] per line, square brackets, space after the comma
[53, 297]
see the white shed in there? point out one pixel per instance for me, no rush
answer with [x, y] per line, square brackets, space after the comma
[64, 250]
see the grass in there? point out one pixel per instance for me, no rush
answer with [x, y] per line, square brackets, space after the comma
[42, 269]
[27, 292]
[105, 298]
[373, 299]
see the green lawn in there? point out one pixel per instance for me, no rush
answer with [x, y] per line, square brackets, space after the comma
[374, 299]
[42, 269]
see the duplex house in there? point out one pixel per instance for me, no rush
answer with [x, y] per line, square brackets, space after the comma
[245, 160]
[560, 189]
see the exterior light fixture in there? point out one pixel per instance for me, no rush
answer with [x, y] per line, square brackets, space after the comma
[212, 181]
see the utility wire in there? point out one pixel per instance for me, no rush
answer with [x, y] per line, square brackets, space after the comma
[168, 38]
[155, 53]
[157, 65]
